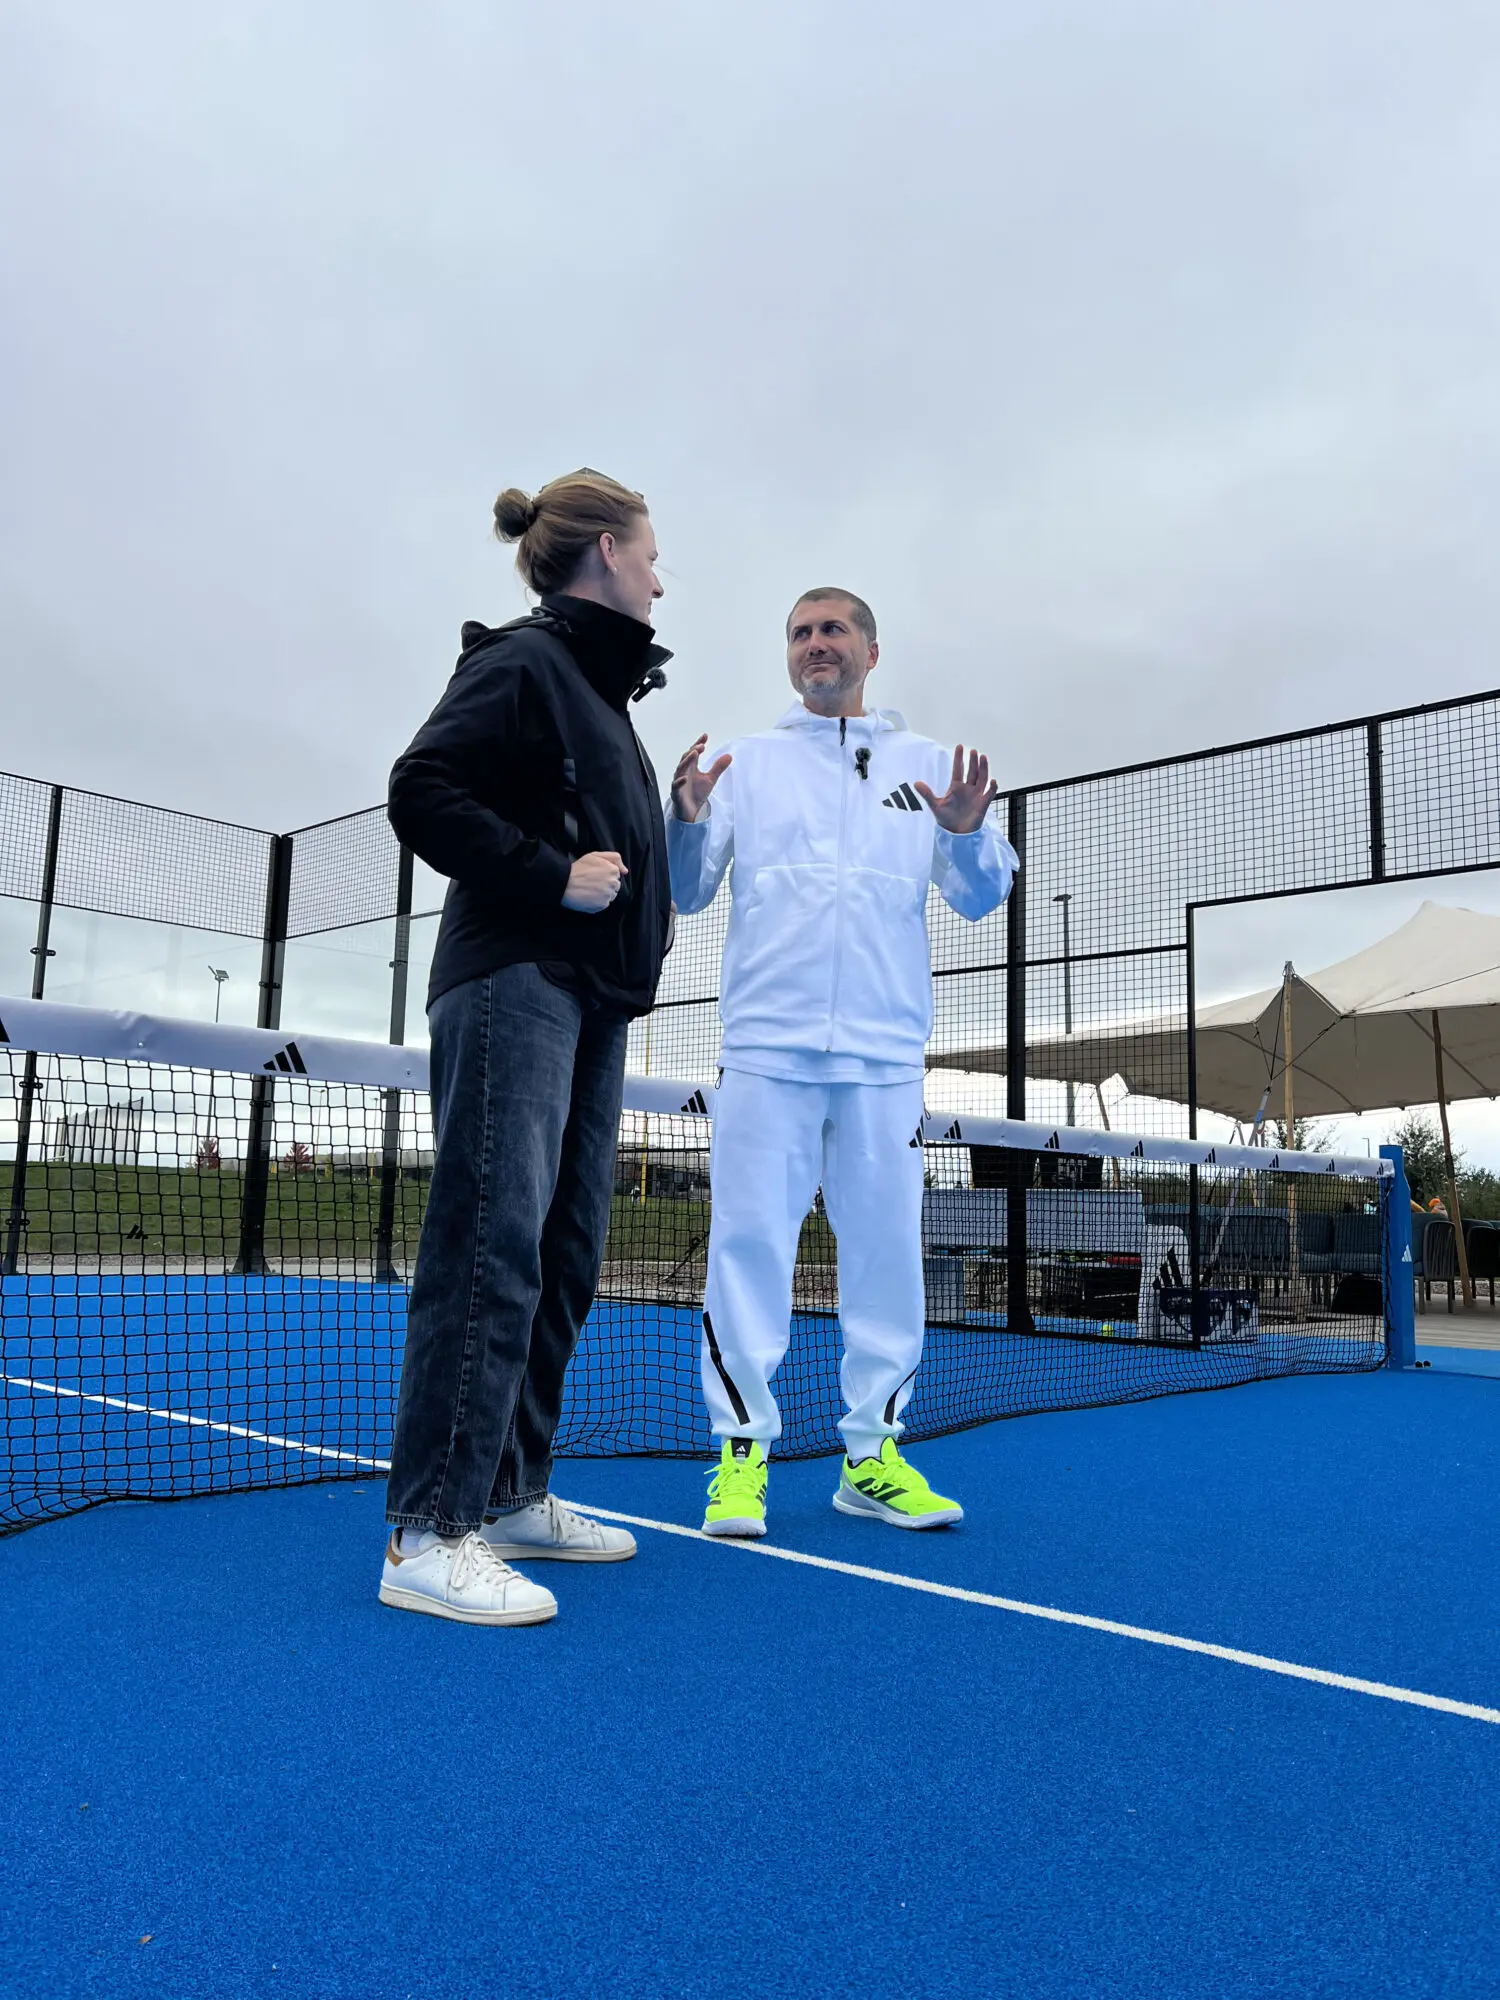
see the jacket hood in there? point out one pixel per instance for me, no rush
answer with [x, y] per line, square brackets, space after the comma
[799, 716]
[617, 655]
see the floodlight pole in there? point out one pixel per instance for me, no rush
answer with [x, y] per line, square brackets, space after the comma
[41, 951]
[219, 976]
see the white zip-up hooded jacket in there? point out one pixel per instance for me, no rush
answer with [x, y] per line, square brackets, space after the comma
[827, 952]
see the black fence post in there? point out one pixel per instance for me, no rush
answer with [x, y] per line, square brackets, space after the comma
[1375, 758]
[1192, 1021]
[390, 1148]
[41, 951]
[252, 1254]
[1017, 1300]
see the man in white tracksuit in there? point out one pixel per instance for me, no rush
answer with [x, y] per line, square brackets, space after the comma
[834, 823]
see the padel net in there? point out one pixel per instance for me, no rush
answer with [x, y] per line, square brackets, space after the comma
[206, 1234]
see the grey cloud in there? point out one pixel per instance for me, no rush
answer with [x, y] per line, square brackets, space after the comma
[1137, 364]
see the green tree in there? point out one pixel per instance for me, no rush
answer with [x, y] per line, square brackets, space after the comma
[1307, 1137]
[1421, 1141]
[1479, 1194]
[1422, 1145]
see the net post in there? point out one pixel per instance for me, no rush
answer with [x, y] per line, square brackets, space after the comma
[251, 1260]
[1017, 1299]
[1400, 1277]
[41, 951]
[390, 1143]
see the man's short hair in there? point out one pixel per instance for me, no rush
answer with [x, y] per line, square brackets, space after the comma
[864, 617]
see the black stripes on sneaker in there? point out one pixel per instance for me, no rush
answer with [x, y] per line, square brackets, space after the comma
[736, 1400]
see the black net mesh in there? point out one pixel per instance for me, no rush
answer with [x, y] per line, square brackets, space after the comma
[187, 1310]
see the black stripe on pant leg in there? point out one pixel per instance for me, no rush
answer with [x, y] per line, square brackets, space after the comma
[736, 1400]
[890, 1408]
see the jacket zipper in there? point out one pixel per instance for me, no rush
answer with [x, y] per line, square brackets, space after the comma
[838, 888]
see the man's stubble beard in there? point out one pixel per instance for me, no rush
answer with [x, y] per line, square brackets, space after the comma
[832, 697]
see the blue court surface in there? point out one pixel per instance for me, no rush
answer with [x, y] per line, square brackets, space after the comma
[181, 1383]
[231, 1772]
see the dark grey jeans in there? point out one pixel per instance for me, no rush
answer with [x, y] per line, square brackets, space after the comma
[526, 1087]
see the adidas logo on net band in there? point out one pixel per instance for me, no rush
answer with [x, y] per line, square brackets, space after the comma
[288, 1061]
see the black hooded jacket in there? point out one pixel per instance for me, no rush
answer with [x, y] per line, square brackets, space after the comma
[528, 761]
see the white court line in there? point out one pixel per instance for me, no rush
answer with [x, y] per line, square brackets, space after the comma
[1289, 1668]
[1262, 1662]
[199, 1423]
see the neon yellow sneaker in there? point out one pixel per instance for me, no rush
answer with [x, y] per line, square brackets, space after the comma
[888, 1489]
[737, 1490]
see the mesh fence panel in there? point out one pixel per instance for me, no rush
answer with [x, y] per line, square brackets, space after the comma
[23, 835]
[343, 872]
[1442, 789]
[130, 860]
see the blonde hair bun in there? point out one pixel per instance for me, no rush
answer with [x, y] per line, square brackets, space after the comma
[515, 514]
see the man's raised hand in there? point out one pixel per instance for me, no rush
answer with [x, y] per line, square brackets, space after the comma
[963, 806]
[690, 786]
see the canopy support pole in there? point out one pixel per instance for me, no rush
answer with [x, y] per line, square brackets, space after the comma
[1458, 1221]
[1294, 1248]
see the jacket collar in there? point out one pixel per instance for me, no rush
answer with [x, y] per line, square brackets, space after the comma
[615, 654]
[877, 720]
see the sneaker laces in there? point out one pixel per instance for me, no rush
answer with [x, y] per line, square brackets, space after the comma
[723, 1479]
[474, 1561]
[895, 1471]
[562, 1521]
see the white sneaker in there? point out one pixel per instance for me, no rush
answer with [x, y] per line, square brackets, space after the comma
[467, 1581]
[551, 1528]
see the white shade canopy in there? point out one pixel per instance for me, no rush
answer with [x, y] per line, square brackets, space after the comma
[1362, 1035]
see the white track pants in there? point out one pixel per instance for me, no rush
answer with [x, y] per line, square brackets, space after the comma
[773, 1145]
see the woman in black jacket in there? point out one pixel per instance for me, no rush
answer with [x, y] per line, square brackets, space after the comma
[529, 788]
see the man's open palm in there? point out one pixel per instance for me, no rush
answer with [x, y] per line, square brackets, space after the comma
[963, 806]
[690, 786]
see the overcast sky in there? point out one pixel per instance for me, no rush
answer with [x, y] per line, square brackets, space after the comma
[1137, 361]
